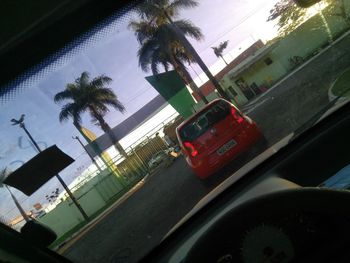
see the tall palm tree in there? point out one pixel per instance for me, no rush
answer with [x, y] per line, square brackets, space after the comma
[218, 51]
[92, 96]
[161, 47]
[160, 14]
[3, 174]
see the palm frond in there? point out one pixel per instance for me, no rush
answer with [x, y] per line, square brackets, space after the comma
[143, 30]
[70, 110]
[118, 105]
[83, 80]
[150, 9]
[145, 54]
[3, 175]
[183, 4]
[189, 29]
[219, 49]
[63, 95]
[156, 60]
[100, 81]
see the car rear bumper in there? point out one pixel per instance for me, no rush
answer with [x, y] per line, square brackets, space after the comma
[205, 165]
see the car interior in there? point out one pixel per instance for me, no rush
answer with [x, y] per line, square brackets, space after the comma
[276, 212]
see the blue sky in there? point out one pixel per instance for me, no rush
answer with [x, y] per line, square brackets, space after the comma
[113, 53]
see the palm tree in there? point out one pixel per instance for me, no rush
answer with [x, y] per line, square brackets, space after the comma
[161, 47]
[4, 173]
[92, 96]
[218, 51]
[157, 16]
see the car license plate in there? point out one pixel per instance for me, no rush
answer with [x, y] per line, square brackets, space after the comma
[226, 147]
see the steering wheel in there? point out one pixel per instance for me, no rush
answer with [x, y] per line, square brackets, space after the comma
[299, 225]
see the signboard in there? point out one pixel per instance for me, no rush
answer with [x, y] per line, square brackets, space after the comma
[172, 88]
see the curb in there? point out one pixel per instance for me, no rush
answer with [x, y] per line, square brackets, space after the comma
[331, 95]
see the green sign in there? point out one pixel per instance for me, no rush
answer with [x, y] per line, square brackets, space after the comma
[172, 88]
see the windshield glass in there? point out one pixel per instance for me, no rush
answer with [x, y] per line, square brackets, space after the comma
[83, 132]
[203, 121]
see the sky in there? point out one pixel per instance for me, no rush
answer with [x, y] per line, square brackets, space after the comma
[112, 51]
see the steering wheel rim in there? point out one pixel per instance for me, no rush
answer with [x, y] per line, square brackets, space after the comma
[260, 209]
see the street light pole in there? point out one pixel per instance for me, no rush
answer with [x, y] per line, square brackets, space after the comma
[21, 124]
[30, 136]
[91, 157]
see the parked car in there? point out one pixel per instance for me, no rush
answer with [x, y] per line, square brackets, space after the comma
[214, 136]
[160, 158]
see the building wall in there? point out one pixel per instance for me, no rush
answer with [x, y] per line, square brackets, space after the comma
[227, 85]
[92, 196]
[308, 38]
[305, 41]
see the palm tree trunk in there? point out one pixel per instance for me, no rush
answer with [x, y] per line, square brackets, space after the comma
[182, 71]
[221, 56]
[105, 127]
[110, 167]
[187, 45]
[19, 207]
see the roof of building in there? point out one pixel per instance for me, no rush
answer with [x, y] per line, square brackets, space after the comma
[251, 60]
[128, 125]
[208, 87]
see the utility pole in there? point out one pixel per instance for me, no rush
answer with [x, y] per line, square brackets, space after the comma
[21, 124]
[91, 157]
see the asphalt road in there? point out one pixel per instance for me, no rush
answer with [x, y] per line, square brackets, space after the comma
[139, 223]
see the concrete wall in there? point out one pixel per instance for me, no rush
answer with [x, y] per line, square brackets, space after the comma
[309, 37]
[62, 219]
[92, 196]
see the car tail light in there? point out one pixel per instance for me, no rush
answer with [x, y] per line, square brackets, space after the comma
[236, 115]
[190, 148]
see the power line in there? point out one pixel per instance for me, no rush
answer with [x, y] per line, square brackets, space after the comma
[249, 15]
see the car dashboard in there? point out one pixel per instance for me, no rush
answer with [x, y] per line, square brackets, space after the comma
[277, 212]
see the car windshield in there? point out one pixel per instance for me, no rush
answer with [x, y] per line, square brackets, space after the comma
[198, 125]
[209, 85]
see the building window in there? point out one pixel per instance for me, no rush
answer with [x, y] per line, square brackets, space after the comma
[268, 61]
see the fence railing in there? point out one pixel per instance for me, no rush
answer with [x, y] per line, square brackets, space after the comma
[133, 168]
[110, 181]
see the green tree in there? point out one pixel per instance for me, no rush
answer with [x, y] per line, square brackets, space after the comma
[219, 50]
[4, 173]
[289, 16]
[162, 48]
[92, 96]
[163, 40]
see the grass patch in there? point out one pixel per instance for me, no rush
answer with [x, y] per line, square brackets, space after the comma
[342, 84]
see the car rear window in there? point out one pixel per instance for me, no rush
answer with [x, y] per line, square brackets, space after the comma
[203, 121]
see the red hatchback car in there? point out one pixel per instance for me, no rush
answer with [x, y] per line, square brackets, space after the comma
[214, 136]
